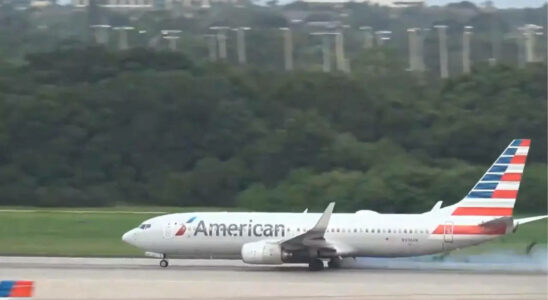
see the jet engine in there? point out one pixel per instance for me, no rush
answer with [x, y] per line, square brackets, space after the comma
[262, 252]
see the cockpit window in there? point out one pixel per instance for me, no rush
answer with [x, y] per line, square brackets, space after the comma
[144, 226]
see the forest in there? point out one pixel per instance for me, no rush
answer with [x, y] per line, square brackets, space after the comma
[88, 126]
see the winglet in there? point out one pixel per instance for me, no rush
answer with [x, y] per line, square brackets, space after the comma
[313, 237]
[321, 226]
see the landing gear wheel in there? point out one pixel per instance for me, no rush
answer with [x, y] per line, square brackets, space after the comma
[334, 263]
[315, 265]
[164, 263]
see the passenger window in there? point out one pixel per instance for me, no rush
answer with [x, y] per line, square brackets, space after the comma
[405, 231]
[388, 230]
[355, 230]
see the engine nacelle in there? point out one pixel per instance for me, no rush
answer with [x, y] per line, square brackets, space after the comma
[262, 252]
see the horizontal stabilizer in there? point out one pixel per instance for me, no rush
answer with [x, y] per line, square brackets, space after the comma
[527, 220]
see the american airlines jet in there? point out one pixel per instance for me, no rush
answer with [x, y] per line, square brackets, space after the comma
[276, 238]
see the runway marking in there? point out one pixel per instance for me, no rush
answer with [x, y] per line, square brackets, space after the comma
[362, 296]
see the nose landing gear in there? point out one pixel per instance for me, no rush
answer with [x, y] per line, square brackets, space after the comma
[164, 263]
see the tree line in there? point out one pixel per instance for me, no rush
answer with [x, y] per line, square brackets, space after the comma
[92, 127]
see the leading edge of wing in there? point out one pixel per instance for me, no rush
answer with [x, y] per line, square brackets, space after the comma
[314, 236]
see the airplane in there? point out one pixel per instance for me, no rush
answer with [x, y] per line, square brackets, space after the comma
[485, 213]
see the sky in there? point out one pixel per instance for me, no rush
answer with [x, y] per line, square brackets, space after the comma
[498, 3]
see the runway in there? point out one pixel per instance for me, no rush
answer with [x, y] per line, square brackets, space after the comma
[136, 278]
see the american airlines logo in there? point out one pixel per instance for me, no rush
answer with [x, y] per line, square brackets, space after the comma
[182, 229]
[233, 229]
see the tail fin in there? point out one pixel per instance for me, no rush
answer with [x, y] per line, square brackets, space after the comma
[496, 192]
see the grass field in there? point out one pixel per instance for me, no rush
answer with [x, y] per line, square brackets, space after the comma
[97, 232]
[74, 232]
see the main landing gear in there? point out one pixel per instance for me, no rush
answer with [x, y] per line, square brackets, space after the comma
[334, 263]
[164, 263]
[315, 265]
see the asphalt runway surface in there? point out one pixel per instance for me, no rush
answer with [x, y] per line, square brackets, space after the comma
[136, 278]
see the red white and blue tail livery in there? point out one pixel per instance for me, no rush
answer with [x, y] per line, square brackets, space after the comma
[487, 209]
[275, 238]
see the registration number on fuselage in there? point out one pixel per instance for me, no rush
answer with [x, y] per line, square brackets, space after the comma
[409, 240]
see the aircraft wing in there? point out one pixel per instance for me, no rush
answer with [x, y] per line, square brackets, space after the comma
[313, 238]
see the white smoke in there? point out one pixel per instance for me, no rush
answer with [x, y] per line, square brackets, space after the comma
[503, 260]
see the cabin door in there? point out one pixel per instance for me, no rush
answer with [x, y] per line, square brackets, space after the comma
[448, 232]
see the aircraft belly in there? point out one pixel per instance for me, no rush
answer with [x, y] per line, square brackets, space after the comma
[396, 247]
[208, 247]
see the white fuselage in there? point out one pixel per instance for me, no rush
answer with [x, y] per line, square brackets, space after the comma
[274, 238]
[364, 233]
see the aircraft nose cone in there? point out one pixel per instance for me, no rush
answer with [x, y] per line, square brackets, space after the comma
[128, 237]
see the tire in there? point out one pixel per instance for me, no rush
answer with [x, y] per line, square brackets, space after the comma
[164, 263]
[334, 263]
[315, 265]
